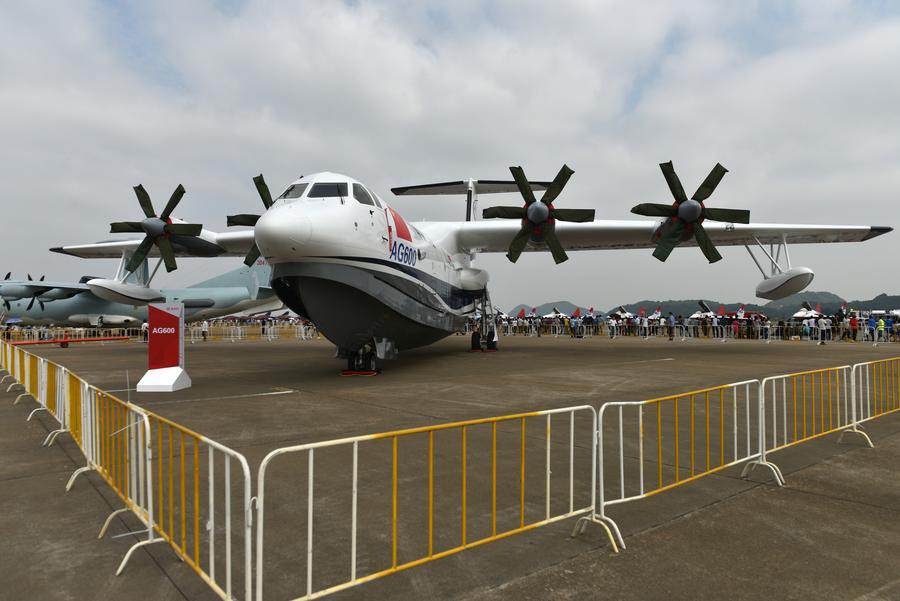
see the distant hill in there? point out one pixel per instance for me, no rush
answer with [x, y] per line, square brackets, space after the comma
[780, 309]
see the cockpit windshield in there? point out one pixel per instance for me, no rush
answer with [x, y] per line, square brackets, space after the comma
[293, 191]
[328, 190]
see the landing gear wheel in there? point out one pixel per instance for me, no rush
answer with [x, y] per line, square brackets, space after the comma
[361, 363]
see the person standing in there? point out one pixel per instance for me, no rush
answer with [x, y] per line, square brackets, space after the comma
[821, 327]
[671, 320]
[879, 331]
[204, 330]
[145, 331]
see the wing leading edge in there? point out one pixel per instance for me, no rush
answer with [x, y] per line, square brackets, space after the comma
[495, 236]
[210, 244]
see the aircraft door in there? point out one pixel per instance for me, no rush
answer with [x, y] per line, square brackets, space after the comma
[372, 222]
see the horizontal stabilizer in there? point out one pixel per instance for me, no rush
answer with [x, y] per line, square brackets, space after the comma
[482, 186]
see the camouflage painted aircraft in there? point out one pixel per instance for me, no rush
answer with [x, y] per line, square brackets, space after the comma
[96, 301]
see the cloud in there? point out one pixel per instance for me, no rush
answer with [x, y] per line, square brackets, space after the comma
[796, 99]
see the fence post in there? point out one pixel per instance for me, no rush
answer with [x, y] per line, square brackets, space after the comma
[761, 428]
[598, 515]
[855, 427]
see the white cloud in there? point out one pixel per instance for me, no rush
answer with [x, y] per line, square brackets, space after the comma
[798, 100]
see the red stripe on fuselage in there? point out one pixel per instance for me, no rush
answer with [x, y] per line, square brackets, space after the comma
[402, 228]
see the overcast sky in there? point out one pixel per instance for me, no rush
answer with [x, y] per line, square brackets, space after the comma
[800, 101]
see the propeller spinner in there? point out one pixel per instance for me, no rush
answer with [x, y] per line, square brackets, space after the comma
[685, 217]
[157, 230]
[539, 217]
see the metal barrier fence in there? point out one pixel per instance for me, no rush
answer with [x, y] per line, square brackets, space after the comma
[690, 435]
[416, 495]
[876, 388]
[152, 464]
[521, 507]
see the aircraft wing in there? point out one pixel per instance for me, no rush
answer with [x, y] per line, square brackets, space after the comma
[211, 244]
[495, 235]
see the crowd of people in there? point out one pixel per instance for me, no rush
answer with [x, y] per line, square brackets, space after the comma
[818, 328]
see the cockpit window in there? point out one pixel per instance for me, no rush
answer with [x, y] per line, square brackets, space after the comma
[362, 195]
[328, 190]
[293, 191]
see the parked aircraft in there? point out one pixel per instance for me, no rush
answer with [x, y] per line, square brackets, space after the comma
[87, 303]
[375, 284]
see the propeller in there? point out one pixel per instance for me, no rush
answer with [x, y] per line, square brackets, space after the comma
[539, 217]
[685, 217]
[36, 294]
[245, 219]
[157, 229]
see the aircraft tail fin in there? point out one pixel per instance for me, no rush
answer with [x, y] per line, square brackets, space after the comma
[253, 278]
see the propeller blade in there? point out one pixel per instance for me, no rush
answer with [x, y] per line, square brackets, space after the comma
[140, 254]
[574, 215]
[727, 215]
[263, 190]
[42, 278]
[168, 255]
[706, 245]
[670, 237]
[709, 184]
[30, 304]
[651, 209]
[556, 249]
[517, 245]
[522, 183]
[173, 202]
[183, 229]
[41, 303]
[144, 201]
[125, 227]
[557, 185]
[29, 277]
[242, 219]
[8, 273]
[674, 183]
[504, 213]
[252, 256]
[7, 305]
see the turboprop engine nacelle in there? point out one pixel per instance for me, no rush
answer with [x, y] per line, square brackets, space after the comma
[785, 284]
[115, 291]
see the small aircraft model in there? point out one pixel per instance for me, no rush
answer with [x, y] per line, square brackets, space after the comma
[807, 311]
[375, 284]
[89, 303]
[704, 313]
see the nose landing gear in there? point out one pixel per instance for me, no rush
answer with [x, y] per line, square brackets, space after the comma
[361, 362]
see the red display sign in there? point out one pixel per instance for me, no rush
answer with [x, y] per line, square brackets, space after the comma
[166, 337]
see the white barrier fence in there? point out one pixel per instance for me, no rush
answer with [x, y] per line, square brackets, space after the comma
[181, 486]
[475, 439]
[145, 459]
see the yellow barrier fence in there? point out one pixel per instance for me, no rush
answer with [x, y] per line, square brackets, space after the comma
[448, 488]
[649, 447]
[152, 463]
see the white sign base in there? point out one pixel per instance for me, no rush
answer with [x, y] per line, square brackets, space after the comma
[165, 379]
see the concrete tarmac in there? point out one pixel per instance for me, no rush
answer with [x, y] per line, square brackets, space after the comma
[831, 533]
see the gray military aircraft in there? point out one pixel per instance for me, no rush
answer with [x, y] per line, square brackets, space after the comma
[122, 301]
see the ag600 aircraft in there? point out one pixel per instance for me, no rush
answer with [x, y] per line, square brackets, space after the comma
[375, 284]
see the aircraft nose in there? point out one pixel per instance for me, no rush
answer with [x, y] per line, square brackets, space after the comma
[281, 231]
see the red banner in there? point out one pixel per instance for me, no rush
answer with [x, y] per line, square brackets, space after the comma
[166, 338]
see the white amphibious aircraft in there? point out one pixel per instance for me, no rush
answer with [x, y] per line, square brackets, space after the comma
[375, 284]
